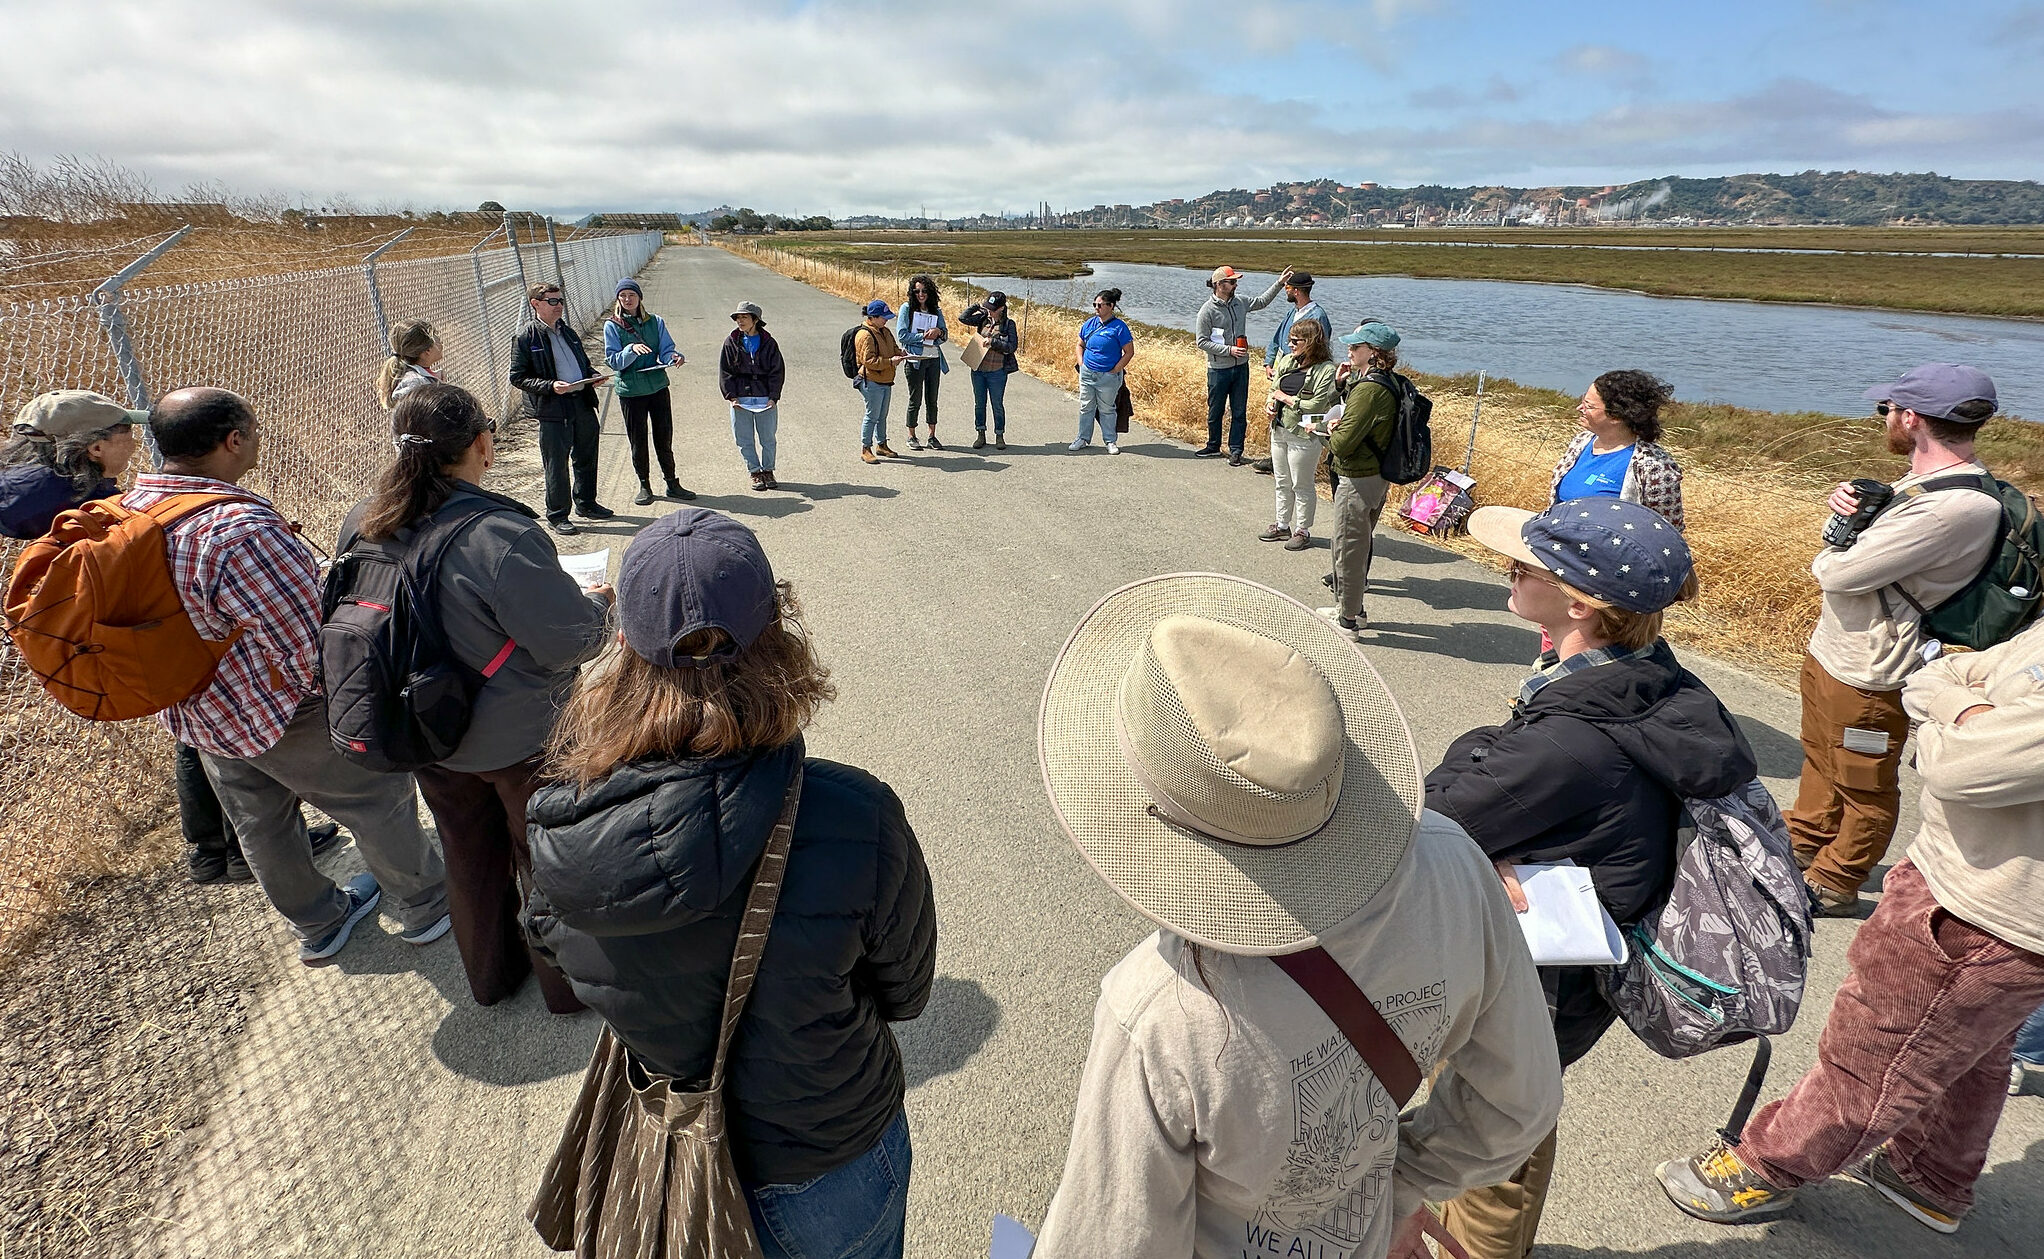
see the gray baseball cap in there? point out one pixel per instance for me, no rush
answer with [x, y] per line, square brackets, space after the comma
[1935, 388]
[692, 570]
[73, 413]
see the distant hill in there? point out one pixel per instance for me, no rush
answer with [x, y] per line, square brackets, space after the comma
[1839, 197]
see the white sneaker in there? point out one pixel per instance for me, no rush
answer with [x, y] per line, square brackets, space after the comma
[1113, 449]
[2019, 1076]
[1077, 445]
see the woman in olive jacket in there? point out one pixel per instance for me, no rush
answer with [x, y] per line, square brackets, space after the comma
[670, 769]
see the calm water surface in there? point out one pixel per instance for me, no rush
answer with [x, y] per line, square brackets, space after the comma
[1772, 356]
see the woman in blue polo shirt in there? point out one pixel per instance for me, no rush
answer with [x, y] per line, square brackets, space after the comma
[1105, 347]
[1617, 454]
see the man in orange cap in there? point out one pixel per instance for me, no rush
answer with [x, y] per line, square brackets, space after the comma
[1223, 332]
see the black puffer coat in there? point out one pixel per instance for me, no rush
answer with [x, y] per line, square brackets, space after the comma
[1591, 769]
[639, 882]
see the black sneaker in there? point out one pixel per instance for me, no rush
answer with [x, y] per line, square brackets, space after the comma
[1206, 452]
[325, 838]
[1234, 458]
[644, 497]
[565, 527]
[1715, 1184]
[1000, 441]
[679, 492]
[1262, 467]
[210, 865]
[594, 511]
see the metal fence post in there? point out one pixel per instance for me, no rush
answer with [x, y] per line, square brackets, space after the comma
[560, 276]
[475, 258]
[106, 299]
[375, 293]
[517, 255]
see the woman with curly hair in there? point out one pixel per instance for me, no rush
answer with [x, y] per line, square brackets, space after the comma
[679, 780]
[1618, 455]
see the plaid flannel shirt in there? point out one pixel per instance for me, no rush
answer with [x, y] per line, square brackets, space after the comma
[240, 566]
[1576, 664]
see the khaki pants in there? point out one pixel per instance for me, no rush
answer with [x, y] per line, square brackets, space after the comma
[1849, 798]
[1499, 1222]
[1357, 504]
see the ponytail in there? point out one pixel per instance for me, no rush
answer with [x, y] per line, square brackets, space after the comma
[435, 425]
[408, 341]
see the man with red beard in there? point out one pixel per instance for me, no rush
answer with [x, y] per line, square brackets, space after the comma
[1920, 549]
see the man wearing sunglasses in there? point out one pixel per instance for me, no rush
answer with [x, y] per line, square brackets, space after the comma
[1919, 551]
[550, 365]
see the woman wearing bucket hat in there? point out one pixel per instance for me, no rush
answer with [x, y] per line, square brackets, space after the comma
[680, 798]
[750, 373]
[638, 349]
[1236, 771]
[67, 447]
[1592, 765]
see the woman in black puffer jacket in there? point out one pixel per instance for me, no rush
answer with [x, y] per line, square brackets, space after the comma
[670, 767]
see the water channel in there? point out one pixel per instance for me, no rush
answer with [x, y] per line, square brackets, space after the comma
[1772, 356]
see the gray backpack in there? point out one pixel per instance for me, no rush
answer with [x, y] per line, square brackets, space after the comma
[1725, 958]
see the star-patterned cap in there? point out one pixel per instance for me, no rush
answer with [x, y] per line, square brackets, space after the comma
[1618, 553]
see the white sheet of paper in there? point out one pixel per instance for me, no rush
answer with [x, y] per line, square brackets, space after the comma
[590, 568]
[1219, 337]
[922, 323]
[1565, 924]
[1333, 418]
[1012, 1239]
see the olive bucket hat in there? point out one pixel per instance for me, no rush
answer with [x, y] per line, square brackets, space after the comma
[1227, 761]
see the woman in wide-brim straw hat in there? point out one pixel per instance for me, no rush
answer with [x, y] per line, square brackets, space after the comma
[1233, 768]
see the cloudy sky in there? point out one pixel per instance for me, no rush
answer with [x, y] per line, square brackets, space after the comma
[902, 108]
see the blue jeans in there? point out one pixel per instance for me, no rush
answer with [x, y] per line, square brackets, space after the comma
[874, 431]
[2030, 1040]
[1228, 388]
[746, 425]
[858, 1211]
[1096, 401]
[990, 387]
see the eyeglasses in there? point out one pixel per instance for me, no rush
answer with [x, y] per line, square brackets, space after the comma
[491, 427]
[1881, 409]
[1103, 306]
[553, 301]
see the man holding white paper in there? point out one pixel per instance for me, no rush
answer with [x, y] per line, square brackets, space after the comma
[1591, 767]
[549, 365]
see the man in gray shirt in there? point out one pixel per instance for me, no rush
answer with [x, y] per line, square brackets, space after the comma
[1223, 330]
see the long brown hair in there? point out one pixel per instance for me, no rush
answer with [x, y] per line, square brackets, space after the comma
[626, 708]
[1312, 343]
[435, 425]
[408, 341]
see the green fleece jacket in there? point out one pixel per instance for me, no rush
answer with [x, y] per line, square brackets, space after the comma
[1315, 395]
[1368, 411]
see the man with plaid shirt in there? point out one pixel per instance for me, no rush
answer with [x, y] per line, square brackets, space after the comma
[260, 723]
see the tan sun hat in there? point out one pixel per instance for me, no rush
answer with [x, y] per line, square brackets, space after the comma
[1227, 761]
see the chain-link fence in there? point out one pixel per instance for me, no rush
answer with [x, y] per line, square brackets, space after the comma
[304, 348]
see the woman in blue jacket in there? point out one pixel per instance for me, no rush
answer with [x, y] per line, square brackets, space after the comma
[636, 345]
[923, 373]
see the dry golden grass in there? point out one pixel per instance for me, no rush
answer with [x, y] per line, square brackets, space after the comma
[1753, 532]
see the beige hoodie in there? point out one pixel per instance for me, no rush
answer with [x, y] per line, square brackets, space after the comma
[1981, 848]
[1931, 545]
[1227, 1117]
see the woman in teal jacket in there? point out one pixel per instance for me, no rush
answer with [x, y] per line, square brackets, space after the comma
[923, 373]
[636, 345]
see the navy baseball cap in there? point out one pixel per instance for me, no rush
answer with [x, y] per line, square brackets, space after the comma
[1620, 554]
[1935, 388]
[878, 309]
[691, 570]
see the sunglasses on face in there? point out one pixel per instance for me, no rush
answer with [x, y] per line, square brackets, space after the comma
[1882, 408]
[491, 427]
[553, 301]
[1518, 570]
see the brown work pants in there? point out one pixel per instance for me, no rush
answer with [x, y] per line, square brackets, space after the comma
[481, 818]
[1851, 791]
[1499, 1221]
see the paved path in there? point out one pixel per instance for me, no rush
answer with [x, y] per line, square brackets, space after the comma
[373, 1109]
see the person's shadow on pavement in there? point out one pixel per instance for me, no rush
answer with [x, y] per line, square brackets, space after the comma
[957, 1021]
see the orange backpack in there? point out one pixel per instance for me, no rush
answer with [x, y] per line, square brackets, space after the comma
[93, 610]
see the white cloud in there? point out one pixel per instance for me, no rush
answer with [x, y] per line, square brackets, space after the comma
[841, 107]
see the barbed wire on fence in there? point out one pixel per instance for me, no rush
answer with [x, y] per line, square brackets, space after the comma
[304, 348]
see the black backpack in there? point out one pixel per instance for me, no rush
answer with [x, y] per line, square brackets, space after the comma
[396, 698]
[848, 351]
[2008, 591]
[1409, 454]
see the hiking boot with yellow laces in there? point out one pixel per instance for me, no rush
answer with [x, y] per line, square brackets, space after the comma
[1718, 1186]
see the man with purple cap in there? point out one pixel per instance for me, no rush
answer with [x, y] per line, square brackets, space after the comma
[1929, 541]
